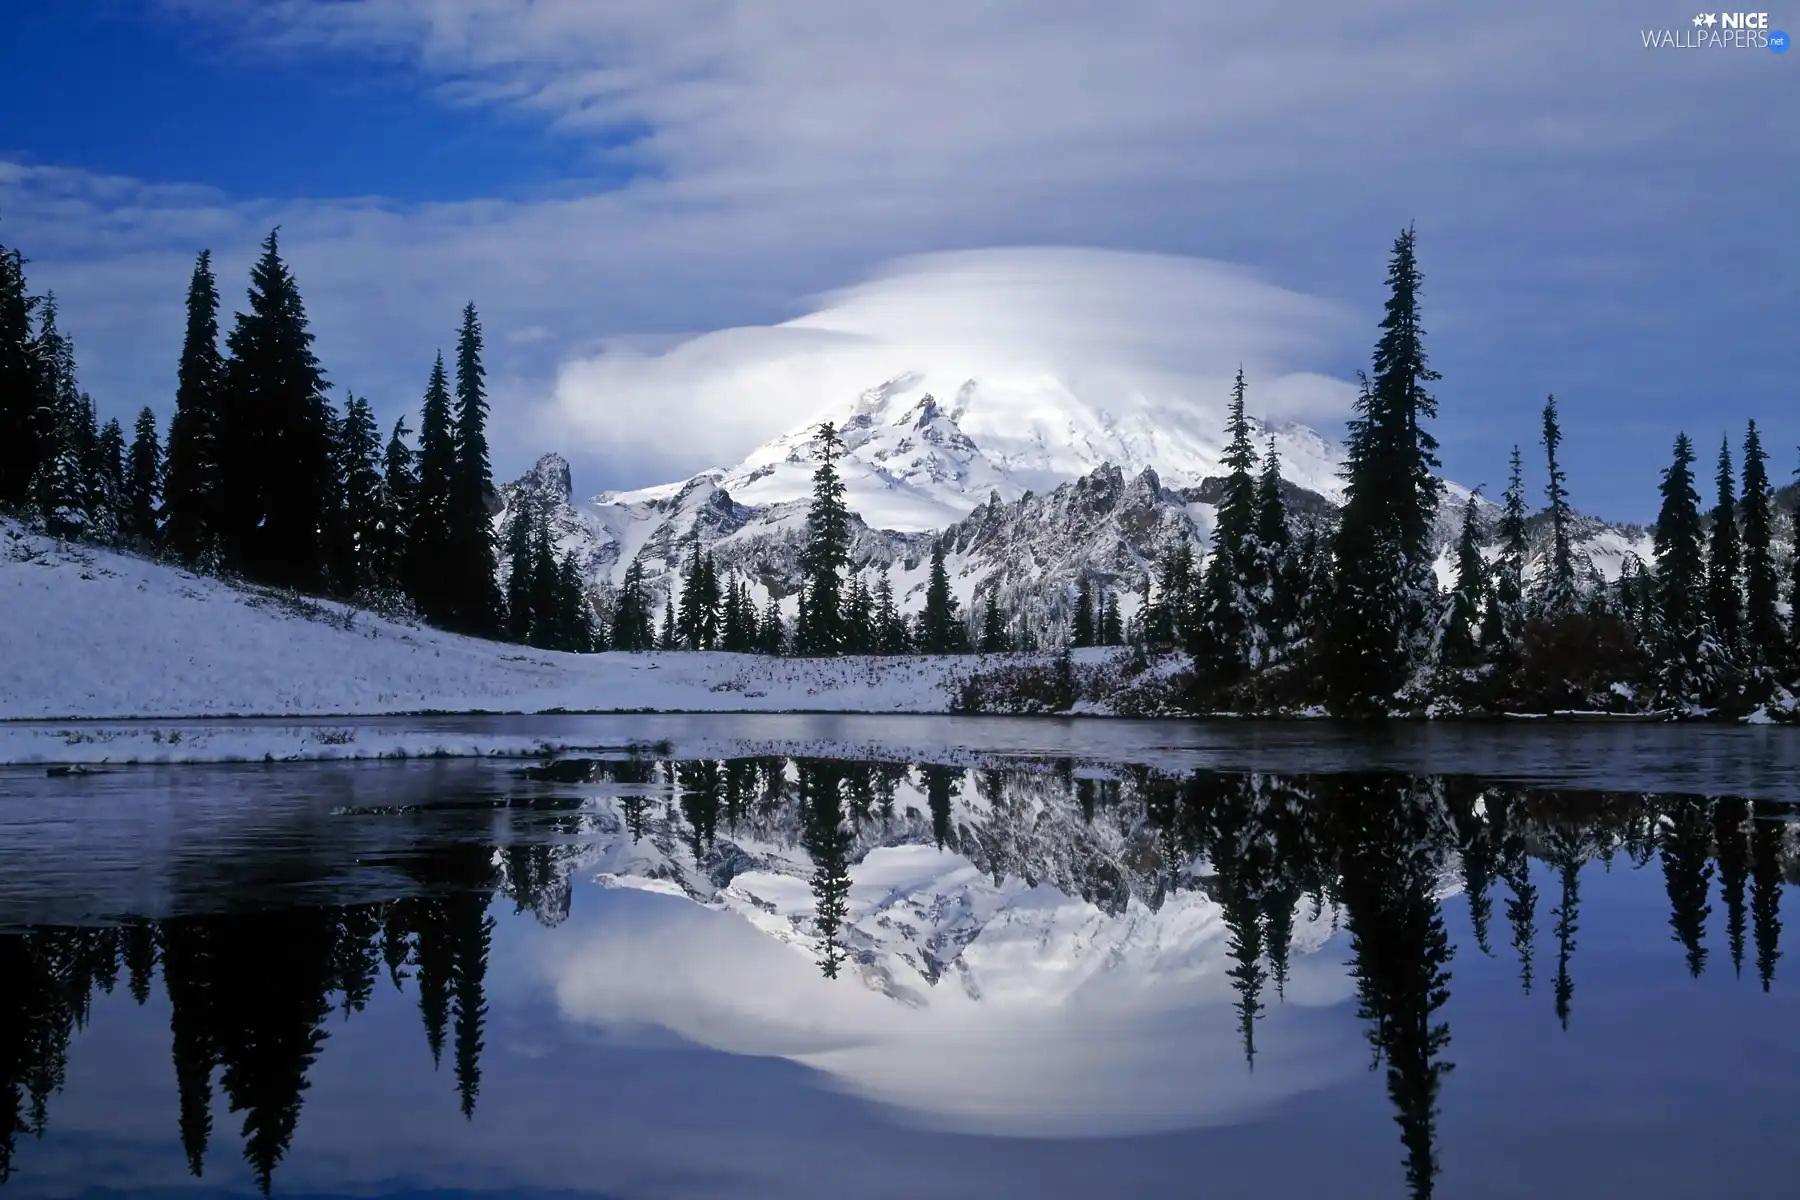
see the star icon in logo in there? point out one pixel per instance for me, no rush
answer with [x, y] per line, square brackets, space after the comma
[1702, 18]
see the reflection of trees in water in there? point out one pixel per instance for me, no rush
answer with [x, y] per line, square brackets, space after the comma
[251, 993]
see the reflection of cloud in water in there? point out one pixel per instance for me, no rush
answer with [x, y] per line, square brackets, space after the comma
[1054, 1020]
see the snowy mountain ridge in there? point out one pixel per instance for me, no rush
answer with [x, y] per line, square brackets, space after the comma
[1030, 487]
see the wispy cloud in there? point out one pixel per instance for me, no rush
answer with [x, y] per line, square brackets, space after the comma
[782, 148]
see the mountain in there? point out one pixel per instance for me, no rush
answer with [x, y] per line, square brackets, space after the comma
[1030, 489]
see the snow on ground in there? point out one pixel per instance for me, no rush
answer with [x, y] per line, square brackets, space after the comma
[90, 633]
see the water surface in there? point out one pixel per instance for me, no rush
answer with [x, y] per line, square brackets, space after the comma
[805, 956]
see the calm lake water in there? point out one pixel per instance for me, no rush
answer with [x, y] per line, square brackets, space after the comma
[857, 957]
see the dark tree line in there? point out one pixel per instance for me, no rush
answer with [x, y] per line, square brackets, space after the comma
[1282, 615]
[261, 476]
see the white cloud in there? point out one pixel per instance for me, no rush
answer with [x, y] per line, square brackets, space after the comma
[785, 146]
[1115, 329]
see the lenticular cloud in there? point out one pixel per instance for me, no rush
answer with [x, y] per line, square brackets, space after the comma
[1121, 336]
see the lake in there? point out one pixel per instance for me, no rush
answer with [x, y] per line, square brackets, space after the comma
[802, 956]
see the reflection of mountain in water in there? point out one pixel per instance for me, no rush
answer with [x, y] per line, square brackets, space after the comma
[1060, 874]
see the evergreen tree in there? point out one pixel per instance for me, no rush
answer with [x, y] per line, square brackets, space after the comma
[827, 550]
[1557, 589]
[59, 489]
[192, 491]
[1459, 646]
[520, 526]
[671, 636]
[859, 618]
[106, 480]
[1685, 840]
[1763, 633]
[143, 482]
[544, 582]
[1226, 642]
[772, 637]
[400, 498]
[276, 428]
[428, 539]
[1384, 590]
[1680, 578]
[1112, 628]
[1081, 629]
[1766, 884]
[21, 398]
[1165, 623]
[993, 628]
[940, 628]
[1500, 624]
[574, 624]
[631, 612]
[890, 626]
[1724, 565]
[1275, 608]
[474, 600]
[364, 496]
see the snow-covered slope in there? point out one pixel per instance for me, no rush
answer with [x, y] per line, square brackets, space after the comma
[91, 633]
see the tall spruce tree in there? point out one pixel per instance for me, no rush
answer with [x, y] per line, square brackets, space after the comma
[474, 601]
[1081, 624]
[519, 528]
[1557, 594]
[1762, 619]
[631, 629]
[1680, 578]
[940, 626]
[1461, 630]
[429, 570]
[827, 550]
[364, 496]
[993, 628]
[276, 428]
[1724, 565]
[106, 480]
[1274, 602]
[890, 625]
[59, 487]
[1112, 626]
[1226, 642]
[400, 493]
[1384, 594]
[143, 482]
[21, 397]
[1501, 620]
[192, 490]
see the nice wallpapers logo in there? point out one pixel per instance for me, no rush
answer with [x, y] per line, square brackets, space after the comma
[1719, 31]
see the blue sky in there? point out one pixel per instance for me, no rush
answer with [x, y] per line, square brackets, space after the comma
[1608, 222]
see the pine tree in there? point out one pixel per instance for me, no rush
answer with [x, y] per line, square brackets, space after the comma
[859, 618]
[1459, 647]
[543, 583]
[890, 626]
[772, 637]
[1165, 622]
[106, 479]
[428, 545]
[1081, 628]
[276, 427]
[670, 639]
[1274, 605]
[21, 399]
[1557, 595]
[473, 605]
[631, 612]
[192, 495]
[1500, 623]
[574, 625]
[1384, 591]
[59, 489]
[1724, 600]
[827, 550]
[400, 495]
[1762, 622]
[1225, 641]
[993, 628]
[1680, 577]
[940, 628]
[364, 497]
[143, 482]
[519, 528]
[1112, 628]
